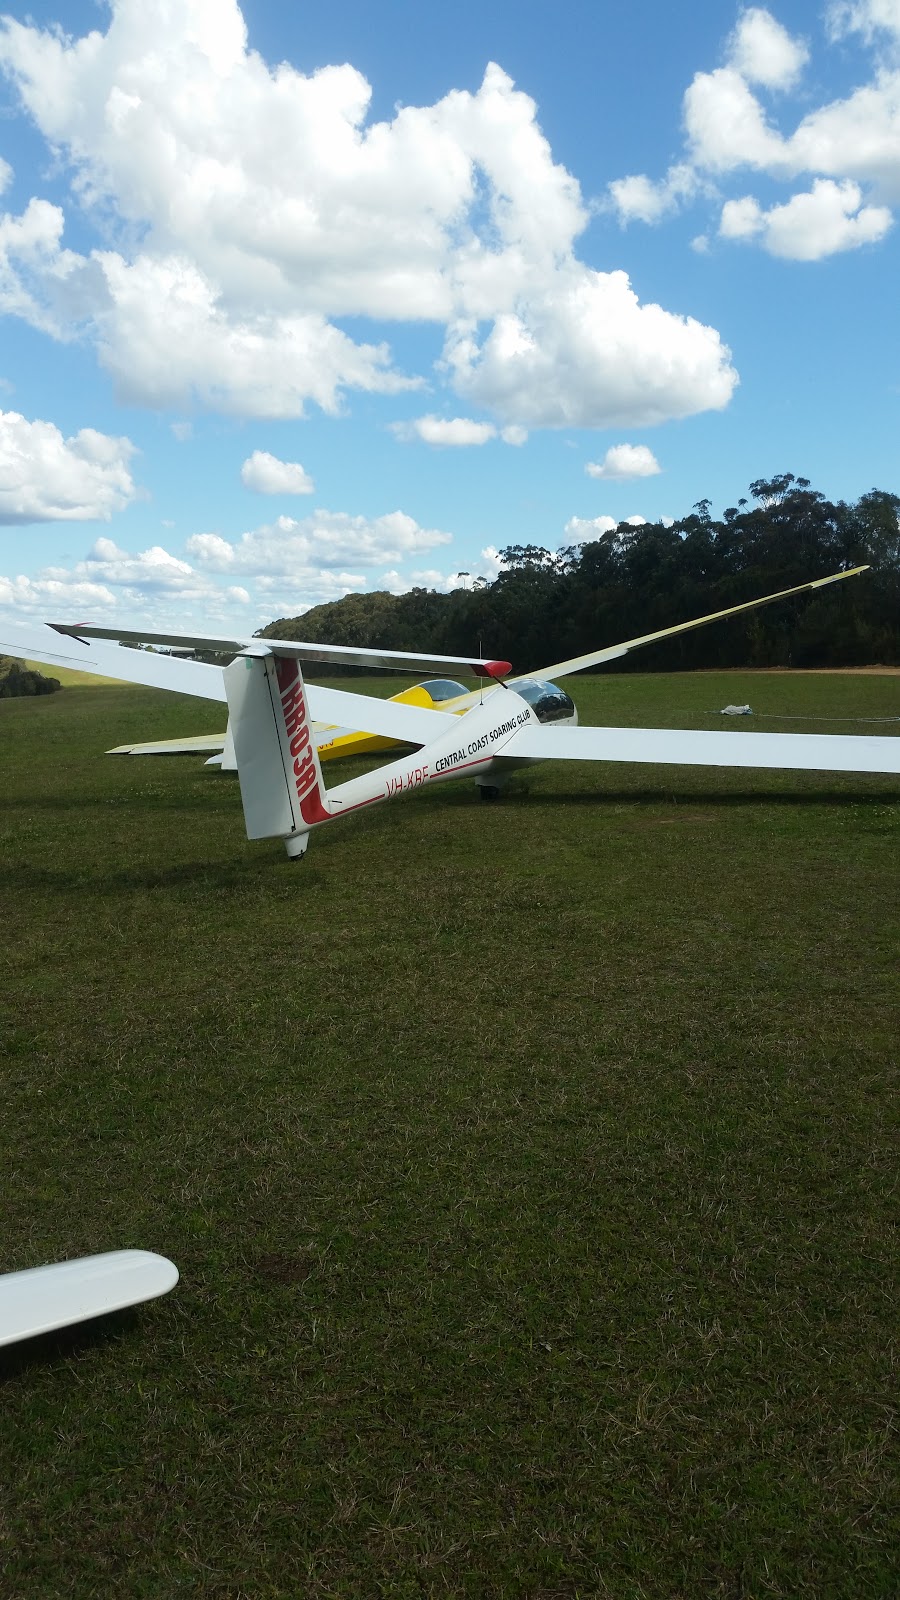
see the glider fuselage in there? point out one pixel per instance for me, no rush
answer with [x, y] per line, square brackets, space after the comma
[278, 764]
[470, 750]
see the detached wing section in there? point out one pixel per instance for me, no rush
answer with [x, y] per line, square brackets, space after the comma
[41, 1299]
[813, 752]
[194, 745]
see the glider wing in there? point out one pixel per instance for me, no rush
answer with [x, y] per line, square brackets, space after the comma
[42, 644]
[391, 719]
[193, 745]
[595, 658]
[814, 752]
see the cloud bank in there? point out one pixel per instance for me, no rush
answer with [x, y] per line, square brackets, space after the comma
[46, 478]
[849, 148]
[243, 210]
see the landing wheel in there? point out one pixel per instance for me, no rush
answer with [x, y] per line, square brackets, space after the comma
[489, 791]
[295, 845]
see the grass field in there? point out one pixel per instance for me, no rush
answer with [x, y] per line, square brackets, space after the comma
[71, 679]
[528, 1169]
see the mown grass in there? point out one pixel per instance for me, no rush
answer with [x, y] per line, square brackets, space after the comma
[528, 1168]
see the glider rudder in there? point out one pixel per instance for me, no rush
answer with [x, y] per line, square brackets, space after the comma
[281, 780]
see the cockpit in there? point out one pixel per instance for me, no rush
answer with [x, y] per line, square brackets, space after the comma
[548, 702]
[443, 689]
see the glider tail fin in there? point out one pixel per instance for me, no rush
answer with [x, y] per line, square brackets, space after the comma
[278, 768]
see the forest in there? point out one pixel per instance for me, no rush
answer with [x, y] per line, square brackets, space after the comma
[548, 605]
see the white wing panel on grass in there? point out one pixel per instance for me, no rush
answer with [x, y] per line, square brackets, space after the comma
[194, 744]
[813, 752]
[42, 1299]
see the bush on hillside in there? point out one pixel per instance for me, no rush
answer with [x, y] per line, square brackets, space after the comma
[17, 679]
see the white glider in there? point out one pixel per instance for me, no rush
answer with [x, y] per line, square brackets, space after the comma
[485, 735]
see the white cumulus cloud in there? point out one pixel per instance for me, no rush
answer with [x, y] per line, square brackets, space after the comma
[150, 569]
[146, 585]
[166, 333]
[625, 461]
[47, 478]
[639, 198]
[868, 17]
[581, 530]
[809, 226]
[849, 147]
[446, 430]
[857, 137]
[265, 203]
[265, 474]
[53, 597]
[161, 588]
[764, 52]
[457, 431]
[727, 126]
[588, 354]
[324, 539]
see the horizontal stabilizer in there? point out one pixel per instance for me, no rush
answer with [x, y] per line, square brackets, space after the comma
[42, 1299]
[814, 752]
[336, 654]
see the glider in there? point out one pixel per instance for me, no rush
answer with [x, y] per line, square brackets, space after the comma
[42, 1299]
[332, 741]
[482, 734]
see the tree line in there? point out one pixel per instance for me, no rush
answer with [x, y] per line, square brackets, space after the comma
[545, 605]
[17, 679]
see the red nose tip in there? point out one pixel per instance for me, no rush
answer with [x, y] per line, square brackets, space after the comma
[493, 669]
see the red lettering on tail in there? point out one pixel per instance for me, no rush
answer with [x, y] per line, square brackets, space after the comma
[294, 711]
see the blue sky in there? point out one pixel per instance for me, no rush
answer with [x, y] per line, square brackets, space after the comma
[298, 299]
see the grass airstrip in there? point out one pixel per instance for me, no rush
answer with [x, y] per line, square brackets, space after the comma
[528, 1169]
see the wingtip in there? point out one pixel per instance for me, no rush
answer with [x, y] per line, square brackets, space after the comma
[836, 577]
[69, 630]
